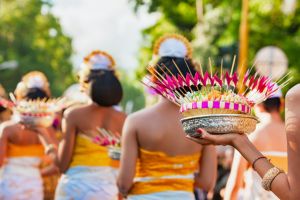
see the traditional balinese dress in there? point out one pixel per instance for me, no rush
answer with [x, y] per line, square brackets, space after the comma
[20, 177]
[160, 176]
[90, 175]
[253, 189]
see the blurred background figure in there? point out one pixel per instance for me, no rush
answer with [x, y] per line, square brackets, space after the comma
[21, 152]
[75, 96]
[5, 113]
[225, 157]
[88, 170]
[270, 139]
[157, 161]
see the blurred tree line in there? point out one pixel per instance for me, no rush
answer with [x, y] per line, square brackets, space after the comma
[215, 31]
[32, 36]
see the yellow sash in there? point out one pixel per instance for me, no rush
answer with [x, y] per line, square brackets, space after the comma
[278, 159]
[87, 153]
[36, 150]
[158, 172]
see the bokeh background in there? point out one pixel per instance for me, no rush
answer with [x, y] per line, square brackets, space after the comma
[54, 35]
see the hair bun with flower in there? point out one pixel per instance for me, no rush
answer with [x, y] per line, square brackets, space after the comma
[97, 62]
[172, 45]
[34, 79]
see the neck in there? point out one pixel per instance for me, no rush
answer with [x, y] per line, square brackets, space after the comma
[272, 116]
[96, 106]
[275, 116]
[166, 102]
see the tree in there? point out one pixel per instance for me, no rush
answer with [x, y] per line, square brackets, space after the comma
[218, 35]
[132, 93]
[32, 35]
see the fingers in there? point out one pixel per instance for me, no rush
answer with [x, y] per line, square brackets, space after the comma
[214, 139]
[199, 140]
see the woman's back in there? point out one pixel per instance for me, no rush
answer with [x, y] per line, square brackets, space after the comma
[19, 135]
[23, 154]
[159, 129]
[90, 117]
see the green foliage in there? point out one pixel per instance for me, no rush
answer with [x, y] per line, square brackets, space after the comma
[218, 35]
[133, 93]
[35, 40]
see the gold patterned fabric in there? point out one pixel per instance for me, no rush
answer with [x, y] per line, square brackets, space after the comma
[158, 172]
[87, 153]
[14, 150]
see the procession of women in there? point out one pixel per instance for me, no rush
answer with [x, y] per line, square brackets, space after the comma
[83, 146]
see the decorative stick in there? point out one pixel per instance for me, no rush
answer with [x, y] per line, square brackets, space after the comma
[147, 85]
[187, 66]
[180, 72]
[160, 79]
[181, 88]
[190, 72]
[222, 69]
[210, 66]
[201, 69]
[281, 79]
[13, 98]
[232, 66]
[163, 79]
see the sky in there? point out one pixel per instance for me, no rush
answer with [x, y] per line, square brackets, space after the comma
[108, 25]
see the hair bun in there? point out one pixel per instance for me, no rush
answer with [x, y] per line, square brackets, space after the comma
[34, 79]
[172, 45]
[105, 90]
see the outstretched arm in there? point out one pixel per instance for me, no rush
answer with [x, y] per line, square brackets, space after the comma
[285, 186]
[62, 156]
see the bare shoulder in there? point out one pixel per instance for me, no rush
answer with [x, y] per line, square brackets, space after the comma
[141, 116]
[7, 127]
[73, 111]
[120, 116]
[136, 120]
[258, 137]
[294, 93]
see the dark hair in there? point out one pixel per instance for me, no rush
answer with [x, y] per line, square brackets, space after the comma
[272, 104]
[2, 109]
[183, 64]
[104, 88]
[36, 93]
[177, 66]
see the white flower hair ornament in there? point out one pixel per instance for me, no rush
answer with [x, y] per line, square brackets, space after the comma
[171, 45]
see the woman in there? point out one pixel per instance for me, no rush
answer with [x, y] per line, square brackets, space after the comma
[270, 139]
[157, 162]
[5, 113]
[20, 149]
[283, 185]
[87, 168]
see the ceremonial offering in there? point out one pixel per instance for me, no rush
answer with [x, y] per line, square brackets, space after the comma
[213, 102]
[37, 112]
[209, 99]
[110, 140]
